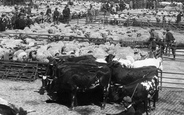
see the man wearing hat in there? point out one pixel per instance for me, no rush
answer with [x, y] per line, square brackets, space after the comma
[178, 19]
[66, 14]
[129, 109]
[3, 22]
[20, 22]
[152, 40]
[170, 40]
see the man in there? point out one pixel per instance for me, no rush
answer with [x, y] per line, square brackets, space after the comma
[170, 42]
[48, 14]
[66, 14]
[29, 22]
[20, 22]
[131, 4]
[3, 23]
[163, 21]
[56, 16]
[145, 3]
[122, 5]
[152, 40]
[154, 4]
[129, 109]
[178, 19]
[70, 2]
[29, 9]
[90, 13]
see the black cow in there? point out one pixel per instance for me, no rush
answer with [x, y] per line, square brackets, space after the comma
[78, 59]
[124, 76]
[54, 61]
[74, 77]
[137, 91]
[7, 110]
[61, 60]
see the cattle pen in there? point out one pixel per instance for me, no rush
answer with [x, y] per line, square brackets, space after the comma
[173, 77]
[170, 96]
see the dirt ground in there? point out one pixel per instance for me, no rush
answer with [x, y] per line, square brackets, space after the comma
[24, 94]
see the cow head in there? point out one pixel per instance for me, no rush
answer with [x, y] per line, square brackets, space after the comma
[109, 58]
[50, 74]
[117, 92]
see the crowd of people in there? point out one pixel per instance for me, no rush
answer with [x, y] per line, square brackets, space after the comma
[113, 8]
[22, 18]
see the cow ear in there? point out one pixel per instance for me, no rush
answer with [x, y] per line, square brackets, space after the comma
[49, 58]
[116, 64]
[124, 66]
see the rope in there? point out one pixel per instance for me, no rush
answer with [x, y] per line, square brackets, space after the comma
[134, 90]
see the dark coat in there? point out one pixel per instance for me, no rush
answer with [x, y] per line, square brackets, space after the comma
[66, 12]
[178, 18]
[169, 37]
[48, 11]
[56, 15]
[29, 22]
[2, 25]
[20, 24]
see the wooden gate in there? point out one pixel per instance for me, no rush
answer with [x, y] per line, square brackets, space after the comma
[173, 75]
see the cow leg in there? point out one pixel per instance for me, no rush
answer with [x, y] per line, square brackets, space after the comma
[149, 103]
[73, 100]
[105, 94]
[43, 87]
[155, 98]
[146, 106]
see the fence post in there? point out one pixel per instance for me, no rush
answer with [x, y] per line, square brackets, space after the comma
[77, 19]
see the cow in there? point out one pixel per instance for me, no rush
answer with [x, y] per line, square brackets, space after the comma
[137, 90]
[11, 110]
[60, 60]
[53, 61]
[7, 108]
[76, 59]
[148, 62]
[124, 76]
[74, 77]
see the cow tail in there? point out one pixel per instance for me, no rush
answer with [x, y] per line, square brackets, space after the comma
[160, 63]
[159, 77]
[109, 83]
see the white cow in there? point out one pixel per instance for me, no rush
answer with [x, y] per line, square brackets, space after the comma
[148, 62]
[3, 102]
[101, 60]
[123, 62]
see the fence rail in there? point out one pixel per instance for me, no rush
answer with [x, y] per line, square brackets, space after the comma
[173, 80]
[173, 73]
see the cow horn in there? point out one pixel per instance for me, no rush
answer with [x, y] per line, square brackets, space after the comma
[30, 111]
[121, 86]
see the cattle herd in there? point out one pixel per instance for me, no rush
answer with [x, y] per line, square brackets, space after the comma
[68, 76]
